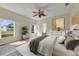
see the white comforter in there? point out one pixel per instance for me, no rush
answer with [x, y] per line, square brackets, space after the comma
[46, 46]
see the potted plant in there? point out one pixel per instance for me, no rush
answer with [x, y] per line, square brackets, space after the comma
[24, 32]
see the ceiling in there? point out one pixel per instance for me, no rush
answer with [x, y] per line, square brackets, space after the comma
[26, 9]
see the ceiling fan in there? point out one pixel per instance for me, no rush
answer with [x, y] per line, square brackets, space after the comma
[39, 13]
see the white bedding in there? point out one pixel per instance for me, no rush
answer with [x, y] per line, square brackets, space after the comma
[51, 45]
[46, 46]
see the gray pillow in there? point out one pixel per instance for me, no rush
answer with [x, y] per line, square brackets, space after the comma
[71, 43]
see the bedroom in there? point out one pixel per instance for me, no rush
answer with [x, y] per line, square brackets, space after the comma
[49, 20]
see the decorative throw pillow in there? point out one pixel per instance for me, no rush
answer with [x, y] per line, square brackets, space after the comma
[71, 43]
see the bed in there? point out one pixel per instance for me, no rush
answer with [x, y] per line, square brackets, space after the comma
[45, 46]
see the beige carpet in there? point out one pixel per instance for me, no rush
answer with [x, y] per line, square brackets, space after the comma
[9, 49]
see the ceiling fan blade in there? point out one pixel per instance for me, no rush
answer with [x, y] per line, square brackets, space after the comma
[34, 15]
[43, 15]
[34, 12]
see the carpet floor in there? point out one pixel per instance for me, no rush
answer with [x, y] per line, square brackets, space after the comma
[9, 49]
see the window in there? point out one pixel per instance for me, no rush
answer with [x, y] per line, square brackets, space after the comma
[36, 30]
[58, 23]
[6, 28]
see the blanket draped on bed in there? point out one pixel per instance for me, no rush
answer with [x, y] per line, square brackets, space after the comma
[34, 44]
[42, 45]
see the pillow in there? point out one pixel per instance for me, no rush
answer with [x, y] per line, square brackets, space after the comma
[76, 32]
[61, 39]
[71, 43]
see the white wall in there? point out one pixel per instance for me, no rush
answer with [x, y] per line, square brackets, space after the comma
[19, 22]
